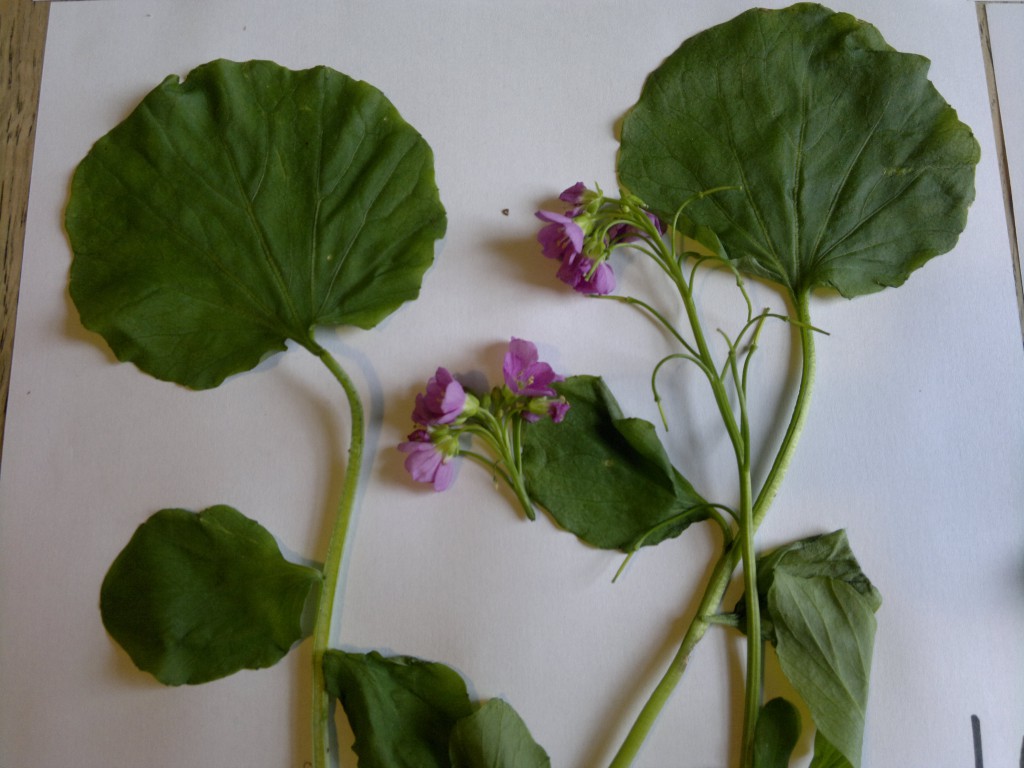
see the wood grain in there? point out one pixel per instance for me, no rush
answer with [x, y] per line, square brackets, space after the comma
[22, 38]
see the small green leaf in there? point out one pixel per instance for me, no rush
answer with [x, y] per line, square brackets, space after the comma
[827, 756]
[853, 169]
[401, 709]
[197, 596]
[817, 609]
[243, 207]
[604, 477]
[776, 734]
[495, 737]
[825, 631]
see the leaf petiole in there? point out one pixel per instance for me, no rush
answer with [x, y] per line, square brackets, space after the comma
[335, 556]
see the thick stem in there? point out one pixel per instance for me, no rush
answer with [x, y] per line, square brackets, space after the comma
[333, 561]
[727, 562]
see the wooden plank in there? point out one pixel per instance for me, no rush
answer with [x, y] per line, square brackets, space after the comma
[22, 38]
[1001, 27]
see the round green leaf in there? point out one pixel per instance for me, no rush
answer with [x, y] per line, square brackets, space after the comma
[243, 207]
[853, 169]
[197, 596]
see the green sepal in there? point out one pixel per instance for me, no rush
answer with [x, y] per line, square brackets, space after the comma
[197, 596]
[604, 477]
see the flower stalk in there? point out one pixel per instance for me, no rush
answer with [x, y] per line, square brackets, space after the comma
[446, 414]
[585, 232]
[723, 569]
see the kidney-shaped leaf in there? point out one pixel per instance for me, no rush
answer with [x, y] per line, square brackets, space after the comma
[197, 596]
[242, 207]
[853, 169]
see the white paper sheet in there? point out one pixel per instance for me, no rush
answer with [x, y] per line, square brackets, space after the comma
[914, 442]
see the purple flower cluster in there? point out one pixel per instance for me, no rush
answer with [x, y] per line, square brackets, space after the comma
[525, 375]
[445, 411]
[564, 239]
[583, 237]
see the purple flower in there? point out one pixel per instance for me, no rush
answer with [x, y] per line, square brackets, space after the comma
[574, 195]
[443, 401]
[426, 462]
[575, 272]
[554, 408]
[561, 238]
[524, 374]
[557, 410]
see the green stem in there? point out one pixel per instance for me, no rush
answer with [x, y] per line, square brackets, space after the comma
[332, 563]
[653, 312]
[491, 466]
[705, 357]
[752, 691]
[723, 569]
[508, 447]
[663, 690]
[799, 416]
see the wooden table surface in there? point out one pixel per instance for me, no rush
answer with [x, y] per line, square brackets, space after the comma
[22, 37]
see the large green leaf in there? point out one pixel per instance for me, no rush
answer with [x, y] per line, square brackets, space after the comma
[401, 709]
[604, 477]
[197, 596]
[854, 170]
[825, 631]
[495, 737]
[243, 207]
